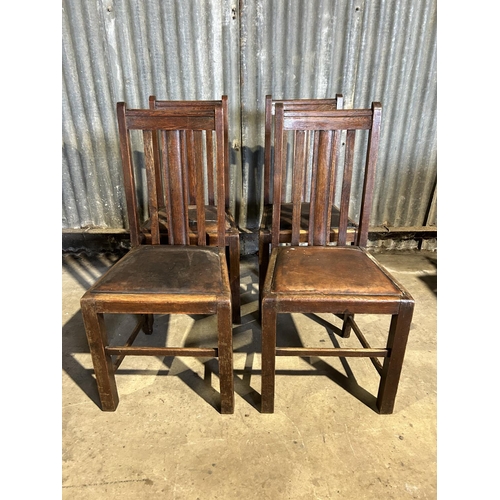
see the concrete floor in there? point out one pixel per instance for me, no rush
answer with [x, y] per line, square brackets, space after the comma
[325, 441]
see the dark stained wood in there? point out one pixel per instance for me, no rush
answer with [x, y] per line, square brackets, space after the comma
[369, 181]
[178, 203]
[128, 177]
[319, 203]
[203, 224]
[345, 195]
[297, 184]
[334, 352]
[181, 277]
[305, 120]
[342, 279]
[201, 352]
[311, 150]
[152, 188]
[180, 122]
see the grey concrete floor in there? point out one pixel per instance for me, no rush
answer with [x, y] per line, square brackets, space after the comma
[325, 441]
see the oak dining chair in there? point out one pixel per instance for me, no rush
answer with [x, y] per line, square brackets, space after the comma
[286, 205]
[318, 275]
[179, 276]
[232, 234]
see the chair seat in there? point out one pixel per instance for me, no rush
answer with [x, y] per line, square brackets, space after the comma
[327, 271]
[210, 220]
[165, 270]
[286, 218]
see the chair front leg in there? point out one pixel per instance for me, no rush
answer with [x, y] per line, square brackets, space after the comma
[103, 366]
[391, 370]
[225, 344]
[269, 319]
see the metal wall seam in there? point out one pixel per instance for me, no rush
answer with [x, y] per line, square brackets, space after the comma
[126, 50]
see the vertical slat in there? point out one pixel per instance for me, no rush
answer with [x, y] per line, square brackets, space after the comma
[195, 157]
[151, 176]
[333, 174]
[346, 186]
[299, 160]
[369, 180]
[166, 183]
[321, 228]
[178, 203]
[267, 149]
[287, 142]
[128, 175]
[313, 186]
[185, 170]
[279, 145]
[221, 213]
[157, 163]
[225, 117]
[189, 174]
[209, 144]
[306, 156]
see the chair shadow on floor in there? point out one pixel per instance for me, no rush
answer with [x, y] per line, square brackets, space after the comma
[75, 343]
[431, 279]
[85, 270]
[246, 337]
[348, 380]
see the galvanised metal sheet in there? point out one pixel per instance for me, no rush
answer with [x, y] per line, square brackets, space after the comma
[368, 50]
[127, 50]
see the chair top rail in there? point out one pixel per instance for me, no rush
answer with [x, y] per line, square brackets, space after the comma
[336, 101]
[202, 104]
[334, 119]
[170, 119]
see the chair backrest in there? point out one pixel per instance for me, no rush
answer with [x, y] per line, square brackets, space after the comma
[292, 104]
[208, 106]
[297, 132]
[188, 140]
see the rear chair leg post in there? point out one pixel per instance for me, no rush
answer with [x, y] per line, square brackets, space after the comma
[269, 318]
[103, 366]
[391, 370]
[147, 326]
[263, 265]
[346, 326]
[225, 355]
[234, 277]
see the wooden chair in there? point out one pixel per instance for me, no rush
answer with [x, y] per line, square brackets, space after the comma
[286, 207]
[232, 234]
[179, 277]
[322, 277]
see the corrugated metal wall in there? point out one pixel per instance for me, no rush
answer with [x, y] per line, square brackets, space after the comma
[368, 50]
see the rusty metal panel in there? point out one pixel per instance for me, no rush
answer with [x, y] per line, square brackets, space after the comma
[368, 50]
[127, 50]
